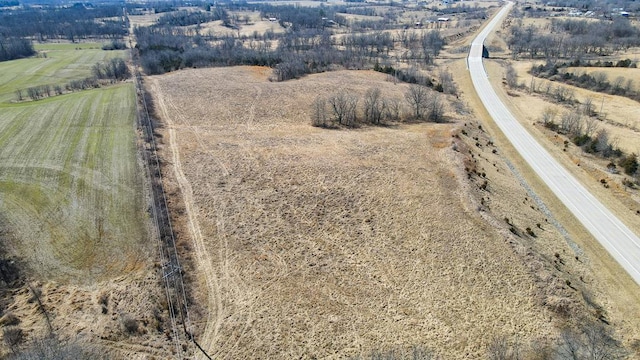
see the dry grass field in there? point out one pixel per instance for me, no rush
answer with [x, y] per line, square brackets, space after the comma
[310, 243]
[255, 25]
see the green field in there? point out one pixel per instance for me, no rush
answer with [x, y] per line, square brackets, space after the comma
[71, 203]
[63, 62]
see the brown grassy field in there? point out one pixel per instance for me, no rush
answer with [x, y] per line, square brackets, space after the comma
[309, 242]
[616, 112]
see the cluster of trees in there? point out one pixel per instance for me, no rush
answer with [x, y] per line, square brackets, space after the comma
[307, 50]
[344, 109]
[296, 17]
[597, 81]
[582, 129]
[15, 48]
[165, 49]
[68, 22]
[468, 12]
[443, 84]
[114, 45]
[626, 63]
[573, 38]
[629, 164]
[425, 47]
[113, 70]
[185, 18]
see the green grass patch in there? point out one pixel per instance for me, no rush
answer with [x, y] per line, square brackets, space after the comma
[63, 63]
[69, 183]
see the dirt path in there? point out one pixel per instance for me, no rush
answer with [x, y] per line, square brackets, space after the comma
[205, 265]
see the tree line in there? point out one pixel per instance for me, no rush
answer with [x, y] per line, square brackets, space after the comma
[15, 48]
[572, 38]
[70, 23]
[596, 81]
[185, 18]
[344, 109]
[304, 48]
[110, 71]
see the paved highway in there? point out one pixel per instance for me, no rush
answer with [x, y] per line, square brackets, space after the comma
[614, 236]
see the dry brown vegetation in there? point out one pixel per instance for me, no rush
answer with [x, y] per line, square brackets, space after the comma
[308, 242]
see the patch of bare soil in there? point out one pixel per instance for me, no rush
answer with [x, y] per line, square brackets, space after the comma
[310, 243]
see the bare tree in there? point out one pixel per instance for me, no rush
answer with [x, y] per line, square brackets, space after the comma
[590, 126]
[547, 87]
[319, 116]
[548, 116]
[393, 109]
[569, 345]
[511, 76]
[599, 344]
[374, 106]
[344, 108]
[617, 85]
[588, 106]
[446, 80]
[563, 94]
[602, 143]
[628, 86]
[417, 96]
[13, 336]
[571, 123]
[52, 348]
[435, 109]
[591, 341]
[600, 79]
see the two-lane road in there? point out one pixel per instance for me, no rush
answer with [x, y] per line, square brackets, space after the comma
[614, 236]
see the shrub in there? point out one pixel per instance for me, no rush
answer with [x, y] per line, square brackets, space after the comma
[581, 139]
[530, 232]
[130, 324]
[13, 336]
[9, 319]
[629, 164]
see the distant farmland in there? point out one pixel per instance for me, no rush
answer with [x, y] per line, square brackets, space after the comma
[63, 62]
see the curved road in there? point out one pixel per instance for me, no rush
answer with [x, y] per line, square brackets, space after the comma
[614, 236]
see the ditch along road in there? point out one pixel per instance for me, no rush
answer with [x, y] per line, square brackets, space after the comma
[613, 235]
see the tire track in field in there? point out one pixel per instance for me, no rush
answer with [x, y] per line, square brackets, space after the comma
[205, 263]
